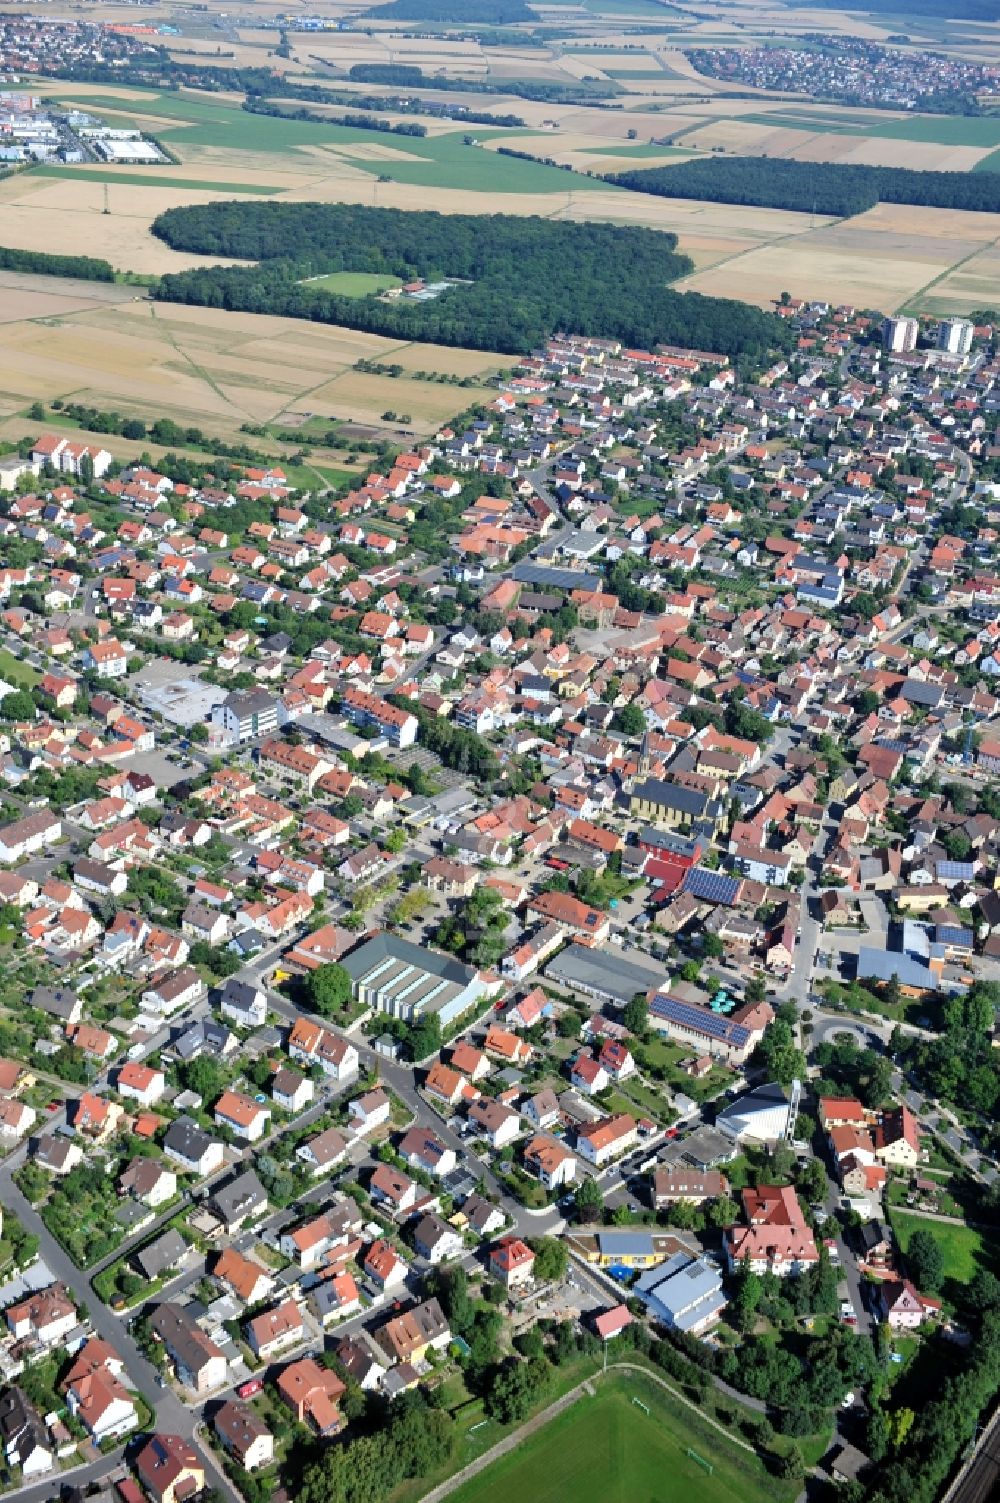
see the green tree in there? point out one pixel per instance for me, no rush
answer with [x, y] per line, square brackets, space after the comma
[515, 1388]
[588, 1201]
[746, 1297]
[791, 1465]
[329, 989]
[722, 1212]
[204, 1075]
[926, 1261]
[425, 1036]
[630, 720]
[900, 1423]
[636, 1015]
[17, 706]
[551, 1259]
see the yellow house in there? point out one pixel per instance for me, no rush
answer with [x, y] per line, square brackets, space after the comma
[922, 899]
[631, 1249]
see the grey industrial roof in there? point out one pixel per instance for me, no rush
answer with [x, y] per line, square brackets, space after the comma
[604, 971]
[390, 947]
[882, 965]
[526, 572]
[684, 1287]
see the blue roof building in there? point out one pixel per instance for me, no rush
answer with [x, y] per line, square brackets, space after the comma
[684, 1293]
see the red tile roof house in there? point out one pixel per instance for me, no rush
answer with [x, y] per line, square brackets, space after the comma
[94, 1391]
[512, 1262]
[588, 1075]
[611, 1323]
[384, 1266]
[275, 1330]
[549, 1161]
[46, 1316]
[391, 1187]
[903, 1307]
[244, 1118]
[311, 1392]
[776, 1238]
[140, 1083]
[170, 1469]
[244, 1435]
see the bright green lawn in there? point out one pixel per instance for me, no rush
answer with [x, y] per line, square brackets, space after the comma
[16, 672]
[353, 283]
[961, 1245]
[605, 1449]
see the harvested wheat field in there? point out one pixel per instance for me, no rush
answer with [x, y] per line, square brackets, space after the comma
[196, 364]
[37, 216]
[846, 263]
[972, 285]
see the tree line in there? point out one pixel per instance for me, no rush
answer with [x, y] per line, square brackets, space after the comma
[821, 187]
[258, 106]
[408, 75]
[51, 264]
[268, 85]
[520, 279]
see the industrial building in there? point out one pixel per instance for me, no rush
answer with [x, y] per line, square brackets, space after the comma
[407, 981]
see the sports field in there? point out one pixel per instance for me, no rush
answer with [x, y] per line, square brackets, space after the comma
[353, 283]
[606, 1449]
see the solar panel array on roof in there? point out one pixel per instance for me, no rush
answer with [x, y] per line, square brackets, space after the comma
[957, 871]
[712, 887]
[951, 934]
[527, 572]
[699, 1019]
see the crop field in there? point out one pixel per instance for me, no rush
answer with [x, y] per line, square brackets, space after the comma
[224, 151]
[216, 370]
[605, 1449]
[883, 259]
[945, 130]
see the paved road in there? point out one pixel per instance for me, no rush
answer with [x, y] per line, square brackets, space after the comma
[171, 1414]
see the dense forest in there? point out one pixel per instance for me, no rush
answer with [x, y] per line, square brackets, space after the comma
[462, 12]
[823, 187]
[520, 278]
[89, 268]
